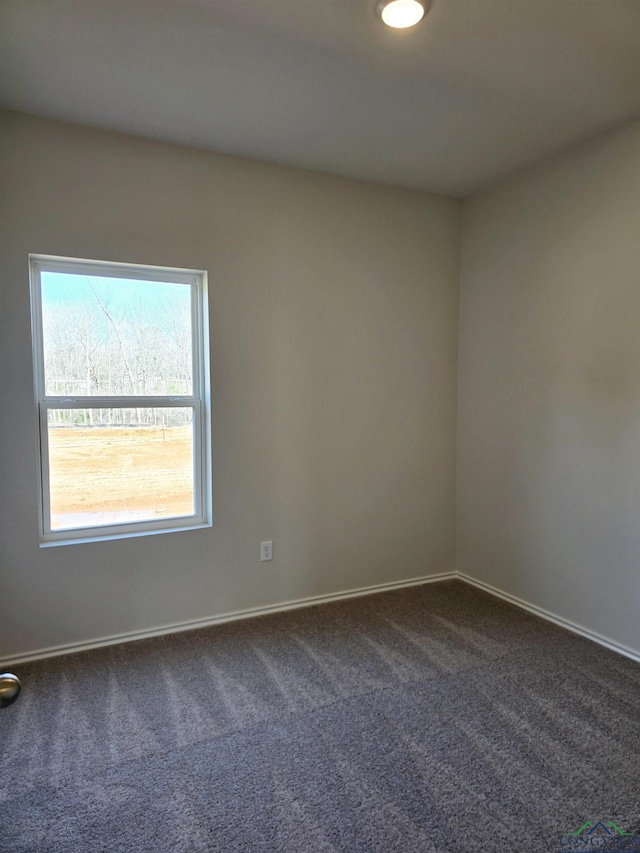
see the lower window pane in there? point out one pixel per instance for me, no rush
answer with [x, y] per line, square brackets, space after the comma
[115, 466]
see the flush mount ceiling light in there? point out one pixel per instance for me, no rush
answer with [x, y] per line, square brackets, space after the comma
[401, 14]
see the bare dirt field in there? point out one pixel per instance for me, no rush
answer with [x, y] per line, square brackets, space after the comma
[143, 472]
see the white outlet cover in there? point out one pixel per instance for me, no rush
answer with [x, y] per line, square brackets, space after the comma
[266, 551]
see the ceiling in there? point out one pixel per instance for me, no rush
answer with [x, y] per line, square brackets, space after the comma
[476, 91]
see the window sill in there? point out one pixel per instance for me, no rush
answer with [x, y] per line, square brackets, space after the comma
[63, 538]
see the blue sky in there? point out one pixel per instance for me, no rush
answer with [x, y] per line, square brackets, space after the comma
[67, 288]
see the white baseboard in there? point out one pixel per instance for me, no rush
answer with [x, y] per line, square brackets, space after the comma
[552, 617]
[55, 651]
[176, 627]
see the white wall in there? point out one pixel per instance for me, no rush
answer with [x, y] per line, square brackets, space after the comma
[334, 328]
[548, 487]
[334, 336]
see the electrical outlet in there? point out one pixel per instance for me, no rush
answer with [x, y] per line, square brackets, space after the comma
[266, 551]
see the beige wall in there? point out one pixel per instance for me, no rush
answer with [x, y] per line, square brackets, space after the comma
[334, 328]
[549, 387]
[334, 345]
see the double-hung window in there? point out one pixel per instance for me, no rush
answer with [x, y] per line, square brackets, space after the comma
[122, 391]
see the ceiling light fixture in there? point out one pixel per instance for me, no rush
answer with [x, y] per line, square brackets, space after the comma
[401, 14]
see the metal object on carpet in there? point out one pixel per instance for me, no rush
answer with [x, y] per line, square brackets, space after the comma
[9, 688]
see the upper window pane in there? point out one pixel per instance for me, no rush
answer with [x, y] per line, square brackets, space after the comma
[115, 336]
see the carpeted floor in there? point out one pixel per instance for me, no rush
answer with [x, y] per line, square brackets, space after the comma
[434, 718]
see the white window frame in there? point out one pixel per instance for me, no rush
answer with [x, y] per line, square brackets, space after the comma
[199, 400]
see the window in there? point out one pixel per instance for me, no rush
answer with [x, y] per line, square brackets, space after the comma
[121, 381]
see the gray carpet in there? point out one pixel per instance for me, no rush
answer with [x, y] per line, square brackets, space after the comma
[433, 718]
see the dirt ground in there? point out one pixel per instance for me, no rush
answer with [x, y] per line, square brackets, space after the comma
[141, 471]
